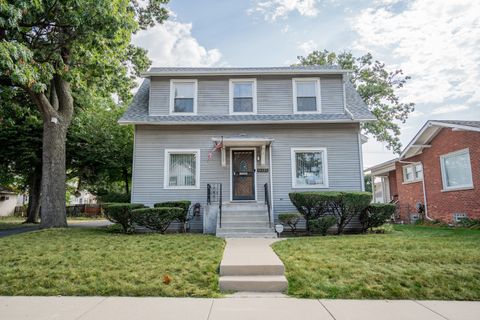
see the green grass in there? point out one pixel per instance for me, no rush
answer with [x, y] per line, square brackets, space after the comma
[94, 262]
[413, 262]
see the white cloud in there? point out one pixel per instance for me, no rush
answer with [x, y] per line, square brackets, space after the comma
[435, 42]
[272, 10]
[416, 114]
[172, 44]
[308, 46]
[450, 109]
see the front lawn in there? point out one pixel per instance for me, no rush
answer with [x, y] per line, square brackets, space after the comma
[413, 262]
[94, 262]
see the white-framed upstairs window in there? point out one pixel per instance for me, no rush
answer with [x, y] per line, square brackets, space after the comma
[412, 172]
[456, 170]
[309, 168]
[182, 169]
[243, 96]
[183, 96]
[306, 95]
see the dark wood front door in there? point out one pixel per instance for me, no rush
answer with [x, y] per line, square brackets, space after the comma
[243, 170]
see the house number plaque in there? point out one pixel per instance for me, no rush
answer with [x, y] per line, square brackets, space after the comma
[262, 170]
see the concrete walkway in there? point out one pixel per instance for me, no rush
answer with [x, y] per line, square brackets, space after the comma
[249, 264]
[259, 307]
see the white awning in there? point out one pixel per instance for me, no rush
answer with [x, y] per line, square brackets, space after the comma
[243, 141]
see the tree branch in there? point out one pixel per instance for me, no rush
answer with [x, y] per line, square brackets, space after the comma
[42, 103]
[53, 95]
[64, 95]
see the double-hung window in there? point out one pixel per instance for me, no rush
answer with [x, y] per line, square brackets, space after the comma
[182, 169]
[183, 96]
[243, 96]
[412, 172]
[309, 168]
[306, 95]
[456, 170]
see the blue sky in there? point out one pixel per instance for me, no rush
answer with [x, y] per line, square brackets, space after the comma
[436, 42]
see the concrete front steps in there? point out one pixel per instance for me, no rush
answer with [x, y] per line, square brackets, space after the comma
[245, 220]
[250, 265]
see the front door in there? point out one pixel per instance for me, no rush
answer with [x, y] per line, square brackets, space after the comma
[243, 171]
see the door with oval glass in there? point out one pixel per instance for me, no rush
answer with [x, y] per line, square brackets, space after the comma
[243, 171]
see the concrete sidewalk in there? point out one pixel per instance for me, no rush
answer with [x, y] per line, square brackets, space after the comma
[249, 306]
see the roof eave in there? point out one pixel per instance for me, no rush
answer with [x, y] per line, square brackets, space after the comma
[127, 122]
[149, 74]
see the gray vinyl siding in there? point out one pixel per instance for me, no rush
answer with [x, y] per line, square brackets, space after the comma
[274, 95]
[341, 141]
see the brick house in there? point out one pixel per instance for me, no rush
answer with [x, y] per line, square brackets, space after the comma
[437, 175]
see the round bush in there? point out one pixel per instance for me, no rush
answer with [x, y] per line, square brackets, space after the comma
[322, 224]
[376, 214]
[121, 213]
[290, 219]
[158, 219]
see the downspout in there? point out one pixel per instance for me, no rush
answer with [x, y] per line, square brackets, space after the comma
[271, 181]
[423, 186]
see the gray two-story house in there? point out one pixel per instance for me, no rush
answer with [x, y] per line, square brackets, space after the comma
[239, 140]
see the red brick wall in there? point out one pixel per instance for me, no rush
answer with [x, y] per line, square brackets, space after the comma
[392, 180]
[442, 205]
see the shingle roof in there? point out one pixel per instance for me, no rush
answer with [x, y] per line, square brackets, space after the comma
[468, 123]
[138, 113]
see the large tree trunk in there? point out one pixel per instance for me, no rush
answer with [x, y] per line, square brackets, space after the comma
[34, 191]
[57, 113]
[53, 175]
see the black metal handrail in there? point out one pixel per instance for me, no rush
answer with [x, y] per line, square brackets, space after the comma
[267, 202]
[214, 194]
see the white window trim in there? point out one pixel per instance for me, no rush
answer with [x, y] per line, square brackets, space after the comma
[318, 95]
[172, 96]
[444, 174]
[294, 166]
[415, 179]
[166, 173]
[254, 94]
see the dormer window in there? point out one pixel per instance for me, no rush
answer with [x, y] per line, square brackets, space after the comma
[306, 95]
[243, 96]
[183, 96]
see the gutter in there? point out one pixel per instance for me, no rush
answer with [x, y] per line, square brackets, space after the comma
[423, 186]
[176, 123]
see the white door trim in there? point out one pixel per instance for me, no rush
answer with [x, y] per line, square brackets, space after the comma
[254, 171]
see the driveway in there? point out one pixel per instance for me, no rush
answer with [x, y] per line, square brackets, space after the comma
[100, 223]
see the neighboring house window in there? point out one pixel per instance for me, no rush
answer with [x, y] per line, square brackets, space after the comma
[309, 168]
[412, 172]
[456, 170]
[243, 96]
[183, 96]
[306, 95]
[182, 169]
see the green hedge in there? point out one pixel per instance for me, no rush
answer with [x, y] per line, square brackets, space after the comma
[158, 219]
[376, 214]
[290, 219]
[183, 204]
[121, 213]
[342, 205]
[322, 224]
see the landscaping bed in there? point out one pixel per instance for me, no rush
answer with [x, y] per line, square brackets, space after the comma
[91, 262]
[412, 262]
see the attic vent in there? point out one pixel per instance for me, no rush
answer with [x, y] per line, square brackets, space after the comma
[459, 216]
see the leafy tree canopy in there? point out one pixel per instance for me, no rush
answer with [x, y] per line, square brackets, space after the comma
[377, 86]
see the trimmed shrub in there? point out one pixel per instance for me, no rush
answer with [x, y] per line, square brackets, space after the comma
[121, 213]
[290, 219]
[322, 224]
[313, 205]
[469, 223]
[184, 204]
[375, 215]
[115, 197]
[349, 205]
[343, 205]
[158, 219]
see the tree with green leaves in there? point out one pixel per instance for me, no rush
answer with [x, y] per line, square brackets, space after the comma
[21, 146]
[377, 86]
[61, 51]
[99, 151]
